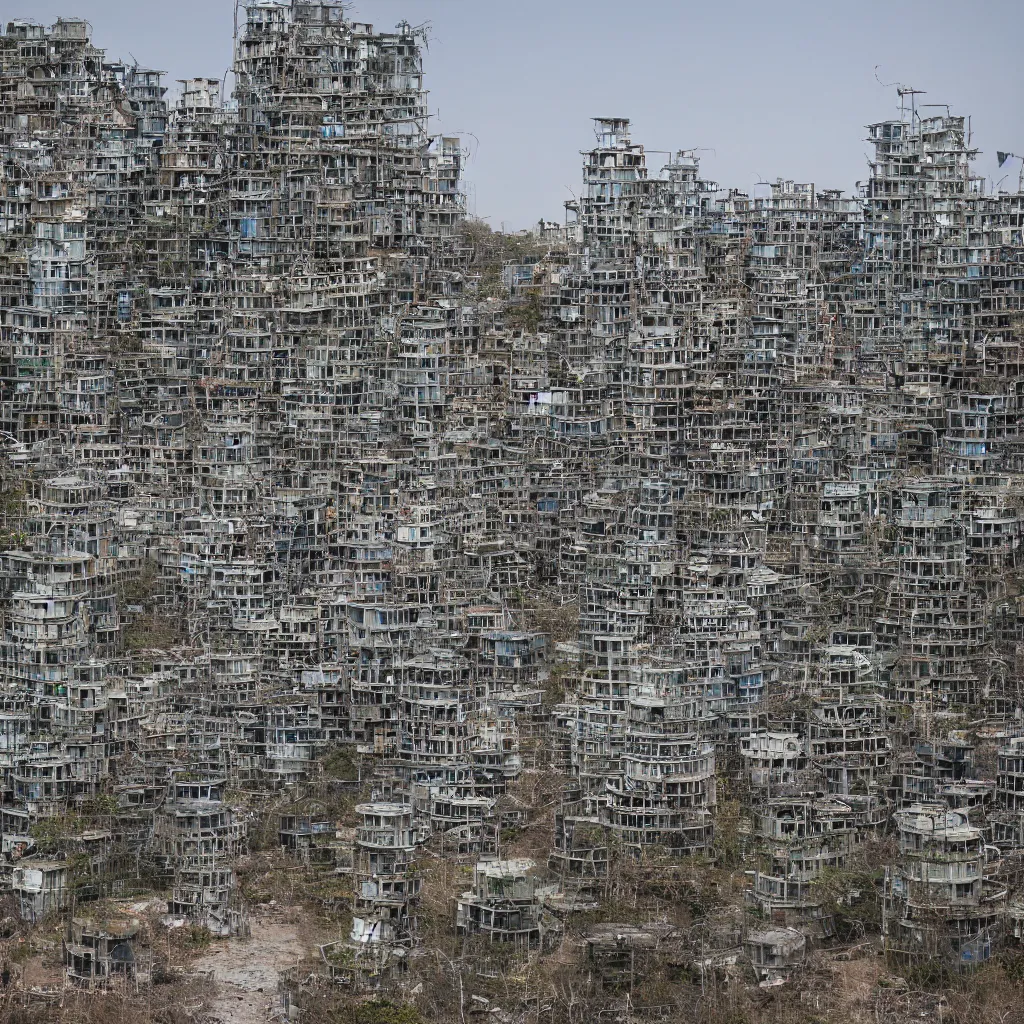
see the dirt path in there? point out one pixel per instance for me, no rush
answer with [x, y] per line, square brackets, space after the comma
[247, 971]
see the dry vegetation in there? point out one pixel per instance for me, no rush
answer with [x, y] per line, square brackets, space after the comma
[455, 980]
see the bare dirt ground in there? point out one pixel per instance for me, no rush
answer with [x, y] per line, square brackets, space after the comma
[247, 970]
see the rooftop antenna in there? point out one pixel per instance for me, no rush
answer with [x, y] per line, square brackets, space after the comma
[903, 91]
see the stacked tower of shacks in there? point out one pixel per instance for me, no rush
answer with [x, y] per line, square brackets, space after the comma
[281, 480]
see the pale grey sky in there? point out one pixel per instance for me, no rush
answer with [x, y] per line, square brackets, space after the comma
[771, 89]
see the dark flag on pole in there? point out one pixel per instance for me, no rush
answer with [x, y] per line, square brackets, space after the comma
[1002, 157]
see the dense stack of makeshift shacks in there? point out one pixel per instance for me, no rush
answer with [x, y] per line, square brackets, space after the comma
[721, 495]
